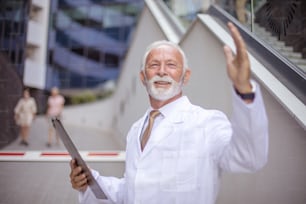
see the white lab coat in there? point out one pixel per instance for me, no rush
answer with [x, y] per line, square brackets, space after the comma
[186, 154]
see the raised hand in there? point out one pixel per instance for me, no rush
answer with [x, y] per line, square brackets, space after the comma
[238, 66]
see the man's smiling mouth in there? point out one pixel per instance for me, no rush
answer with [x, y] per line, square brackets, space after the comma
[162, 82]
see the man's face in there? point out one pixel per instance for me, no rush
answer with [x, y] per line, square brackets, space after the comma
[163, 73]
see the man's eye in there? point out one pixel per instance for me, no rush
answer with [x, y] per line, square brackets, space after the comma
[172, 65]
[153, 66]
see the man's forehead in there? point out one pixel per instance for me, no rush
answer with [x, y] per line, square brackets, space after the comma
[164, 51]
[165, 47]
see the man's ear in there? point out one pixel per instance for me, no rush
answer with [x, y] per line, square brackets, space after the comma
[187, 76]
[142, 77]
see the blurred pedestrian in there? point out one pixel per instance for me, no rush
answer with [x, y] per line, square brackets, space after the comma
[25, 112]
[55, 107]
[241, 11]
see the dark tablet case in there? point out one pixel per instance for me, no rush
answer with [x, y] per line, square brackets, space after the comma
[96, 189]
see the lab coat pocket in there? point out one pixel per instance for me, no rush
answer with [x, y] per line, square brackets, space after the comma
[179, 171]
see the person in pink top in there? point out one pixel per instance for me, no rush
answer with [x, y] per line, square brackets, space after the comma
[55, 107]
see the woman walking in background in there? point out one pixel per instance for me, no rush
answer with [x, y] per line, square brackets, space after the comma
[25, 111]
[55, 107]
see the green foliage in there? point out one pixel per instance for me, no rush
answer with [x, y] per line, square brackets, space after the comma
[83, 97]
[104, 94]
[87, 97]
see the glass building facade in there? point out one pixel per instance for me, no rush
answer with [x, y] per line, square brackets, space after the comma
[13, 24]
[88, 40]
[13, 21]
[280, 24]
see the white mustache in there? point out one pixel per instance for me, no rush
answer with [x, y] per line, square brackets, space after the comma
[162, 79]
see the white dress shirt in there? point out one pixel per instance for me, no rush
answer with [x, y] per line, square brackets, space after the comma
[188, 149]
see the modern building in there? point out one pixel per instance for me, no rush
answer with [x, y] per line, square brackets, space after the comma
[13, 27]
[71, 44]
[88, 41]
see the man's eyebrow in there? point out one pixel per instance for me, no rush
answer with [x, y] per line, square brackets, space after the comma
[168, 60]
[153, 60]
[171, 60]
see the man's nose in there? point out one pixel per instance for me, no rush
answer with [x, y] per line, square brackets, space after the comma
[162, 70]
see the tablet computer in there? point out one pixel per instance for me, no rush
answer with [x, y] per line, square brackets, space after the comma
[74, 153]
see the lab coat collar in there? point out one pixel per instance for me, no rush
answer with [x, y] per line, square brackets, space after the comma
[173, 114]
[175, 111]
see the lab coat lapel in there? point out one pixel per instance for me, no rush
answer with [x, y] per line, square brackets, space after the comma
[165, 130]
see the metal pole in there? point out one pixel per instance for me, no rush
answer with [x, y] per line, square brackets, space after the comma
[252, 16]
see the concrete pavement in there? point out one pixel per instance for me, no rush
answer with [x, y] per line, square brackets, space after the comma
[48, 182]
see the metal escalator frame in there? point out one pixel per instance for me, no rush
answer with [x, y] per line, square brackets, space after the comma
[287, 72]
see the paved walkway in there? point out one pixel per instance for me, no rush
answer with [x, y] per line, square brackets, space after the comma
[48, 182]
[85, 138]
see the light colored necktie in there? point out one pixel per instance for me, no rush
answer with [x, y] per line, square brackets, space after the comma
[147, 132]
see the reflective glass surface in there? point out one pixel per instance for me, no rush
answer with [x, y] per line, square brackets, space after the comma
[88, 41]
[281, 25]
[13, 20]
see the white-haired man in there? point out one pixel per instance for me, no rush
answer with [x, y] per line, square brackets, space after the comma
[181, 160]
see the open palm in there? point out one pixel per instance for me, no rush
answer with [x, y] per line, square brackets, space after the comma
[238, 66]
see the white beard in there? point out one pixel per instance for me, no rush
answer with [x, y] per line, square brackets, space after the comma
[163, 94]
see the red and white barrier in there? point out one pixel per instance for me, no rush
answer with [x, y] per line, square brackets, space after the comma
[58, 156]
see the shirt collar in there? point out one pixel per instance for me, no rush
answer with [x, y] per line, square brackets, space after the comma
[167, 109]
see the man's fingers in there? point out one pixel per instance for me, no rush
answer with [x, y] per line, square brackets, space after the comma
[228, 54]
[77, 178]
[241, 56]
[72, 164]
[75, 170]
[238, 40]
[79, 182]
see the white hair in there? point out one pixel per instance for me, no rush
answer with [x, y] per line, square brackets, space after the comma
[159, 43]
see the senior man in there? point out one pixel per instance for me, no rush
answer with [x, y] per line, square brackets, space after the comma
[177, 151]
